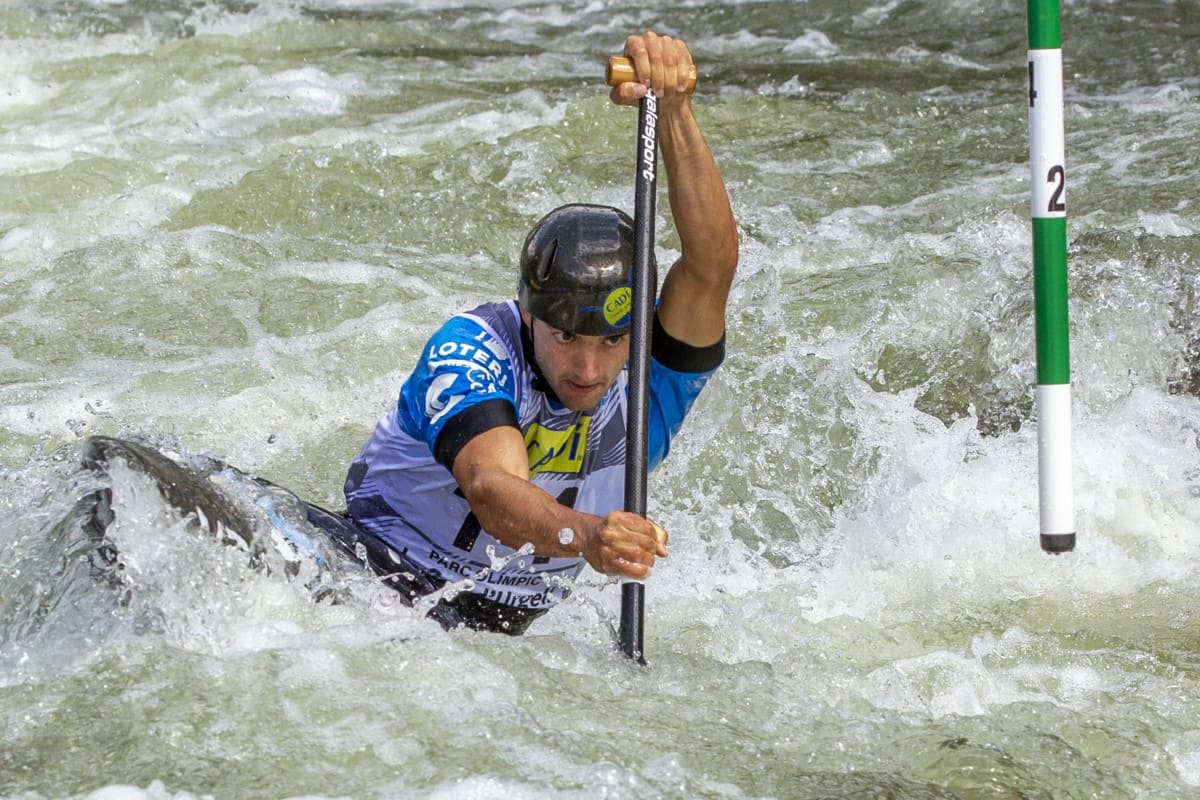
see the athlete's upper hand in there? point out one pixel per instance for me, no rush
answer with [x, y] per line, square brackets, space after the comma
[625, 544]
[663, 66]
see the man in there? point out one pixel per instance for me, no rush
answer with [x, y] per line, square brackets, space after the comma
[501, 468]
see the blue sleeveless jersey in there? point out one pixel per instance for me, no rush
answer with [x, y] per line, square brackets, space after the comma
[475, 373]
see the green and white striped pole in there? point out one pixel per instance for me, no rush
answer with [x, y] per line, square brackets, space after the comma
[1049, 210]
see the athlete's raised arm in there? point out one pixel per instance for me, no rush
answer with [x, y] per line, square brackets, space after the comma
[692, 304]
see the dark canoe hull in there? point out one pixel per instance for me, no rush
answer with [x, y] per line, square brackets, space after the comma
[200, 490]
[192, 488]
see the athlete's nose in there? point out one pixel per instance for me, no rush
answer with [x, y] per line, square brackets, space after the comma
[587, 363]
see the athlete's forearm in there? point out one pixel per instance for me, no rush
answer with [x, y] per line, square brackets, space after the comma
[699, 203]
[696, 288]
[518, 513]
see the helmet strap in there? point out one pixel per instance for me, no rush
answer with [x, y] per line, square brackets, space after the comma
[539, 382]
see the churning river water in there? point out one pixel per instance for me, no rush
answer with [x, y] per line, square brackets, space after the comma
[227, 228]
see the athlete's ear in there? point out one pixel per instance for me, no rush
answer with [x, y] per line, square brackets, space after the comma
[527, 319]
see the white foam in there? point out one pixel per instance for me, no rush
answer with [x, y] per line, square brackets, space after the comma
[743, 41]
[216, 20]
[1185, 752]
[156, 790]
[303, 91]
[811, 44]
[14, 238]
[950, 513]
[487, 788]
[1165, 224]
[17, 89]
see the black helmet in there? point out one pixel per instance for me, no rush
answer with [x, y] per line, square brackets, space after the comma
[575, 269]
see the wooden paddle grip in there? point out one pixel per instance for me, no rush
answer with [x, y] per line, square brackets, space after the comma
[620, 70]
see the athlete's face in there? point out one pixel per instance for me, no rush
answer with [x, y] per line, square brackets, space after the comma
[578, 368]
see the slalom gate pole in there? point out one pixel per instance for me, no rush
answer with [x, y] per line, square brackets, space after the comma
[1047, 157]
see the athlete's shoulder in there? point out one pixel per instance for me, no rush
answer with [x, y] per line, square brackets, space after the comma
[465, 363]
[504, 315]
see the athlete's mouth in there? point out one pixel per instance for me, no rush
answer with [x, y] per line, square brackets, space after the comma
[581, 388]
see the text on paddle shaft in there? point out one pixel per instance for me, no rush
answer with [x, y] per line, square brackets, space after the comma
[649, 136]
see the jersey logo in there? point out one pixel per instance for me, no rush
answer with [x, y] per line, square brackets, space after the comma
[557, 451]
[436, 402]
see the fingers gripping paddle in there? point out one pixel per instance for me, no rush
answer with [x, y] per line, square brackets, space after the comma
[621, 70]
[645, 285]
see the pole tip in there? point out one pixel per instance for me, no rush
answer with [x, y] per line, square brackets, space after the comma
[1056, 543]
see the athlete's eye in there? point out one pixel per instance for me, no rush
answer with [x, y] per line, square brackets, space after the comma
[615, 341]
[562, 337]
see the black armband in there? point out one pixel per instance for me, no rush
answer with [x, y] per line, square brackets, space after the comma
[682, 357]
[467, 424]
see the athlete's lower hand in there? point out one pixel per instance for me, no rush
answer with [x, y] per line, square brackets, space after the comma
[625, 544]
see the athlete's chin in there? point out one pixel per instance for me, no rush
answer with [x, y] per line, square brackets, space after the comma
[582, 404]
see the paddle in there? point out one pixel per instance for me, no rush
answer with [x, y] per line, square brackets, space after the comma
[645, 286]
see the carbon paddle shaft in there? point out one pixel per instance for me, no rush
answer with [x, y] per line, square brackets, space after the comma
[645, 286]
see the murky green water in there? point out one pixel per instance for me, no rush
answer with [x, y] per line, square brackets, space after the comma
[228, 227]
